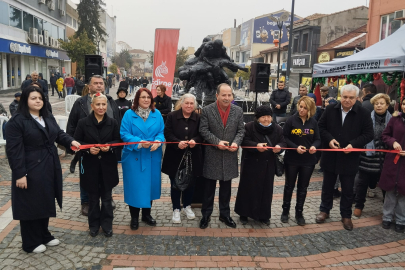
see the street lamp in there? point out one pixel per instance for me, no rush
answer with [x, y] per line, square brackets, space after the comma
[280, 22]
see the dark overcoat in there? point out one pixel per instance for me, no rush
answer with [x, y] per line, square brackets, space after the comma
[104, 163]
[393, 175]
[255, 190]
[178, 129]
[221, 164]
[32, 153]
[357, 130]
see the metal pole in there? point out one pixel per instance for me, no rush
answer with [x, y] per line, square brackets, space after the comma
[287, 77]
[280, 26]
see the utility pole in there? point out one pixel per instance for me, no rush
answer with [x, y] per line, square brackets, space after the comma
[287, 77]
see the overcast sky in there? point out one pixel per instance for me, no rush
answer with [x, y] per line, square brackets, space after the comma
[138, 19]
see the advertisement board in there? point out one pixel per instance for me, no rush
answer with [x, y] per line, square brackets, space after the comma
[246, 35]
[265, 30]
[226, 37]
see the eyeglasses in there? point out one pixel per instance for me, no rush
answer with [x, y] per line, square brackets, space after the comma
[148, 97]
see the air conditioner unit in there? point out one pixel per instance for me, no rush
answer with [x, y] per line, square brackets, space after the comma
[41, 39]
[52, 5]
[33, 34]
[62, 12]
[56, 44]
[42, 1]
[33, 31]
[399, 14]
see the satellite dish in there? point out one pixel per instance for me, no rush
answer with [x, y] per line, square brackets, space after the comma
[284, 17]
[274, 19]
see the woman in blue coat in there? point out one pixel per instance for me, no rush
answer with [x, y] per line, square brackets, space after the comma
[141, 163]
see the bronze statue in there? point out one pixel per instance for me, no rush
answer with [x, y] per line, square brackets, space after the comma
[205, 71]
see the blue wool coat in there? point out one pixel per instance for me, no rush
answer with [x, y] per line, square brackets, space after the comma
[141, 167]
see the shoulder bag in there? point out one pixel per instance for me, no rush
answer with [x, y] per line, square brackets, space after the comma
[184, 175]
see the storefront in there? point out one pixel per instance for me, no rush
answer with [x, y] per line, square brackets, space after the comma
[301, 71]
[19, 59]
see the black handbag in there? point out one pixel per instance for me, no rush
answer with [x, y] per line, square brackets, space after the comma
[184, 175]
[279, 160]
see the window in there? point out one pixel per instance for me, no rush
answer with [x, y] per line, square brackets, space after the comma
[48, 27]
[61, 33]
[28, 21]
[69, 20]
[54, 31]
[271, 58]
[4, 13]
[74, 23]
[243, 57]
[232, 56]
[295, 45]
[389, 24]
[305, 46]
[237, 57]
[15, 17]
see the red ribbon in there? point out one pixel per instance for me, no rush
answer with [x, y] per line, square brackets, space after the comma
[87, 146]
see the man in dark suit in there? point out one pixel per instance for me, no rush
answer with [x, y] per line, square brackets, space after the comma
[344, 125]
[221, 124]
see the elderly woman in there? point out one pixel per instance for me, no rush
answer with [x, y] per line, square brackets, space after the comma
[300, 132]
[141, 162]
[162, 102]
[182, 128]
[36, 171]
[98, 165]
[371, 163]
[255, 192]
[393, 175]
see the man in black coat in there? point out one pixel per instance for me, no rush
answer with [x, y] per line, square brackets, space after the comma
[279, 100]
[79, 84]
[344, 125]
[369, 91]
[145, 82]
[52, 81]
[35, 78]
[81, 109]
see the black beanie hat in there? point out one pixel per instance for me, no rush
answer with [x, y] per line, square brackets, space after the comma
[263, 110]
[122, 89]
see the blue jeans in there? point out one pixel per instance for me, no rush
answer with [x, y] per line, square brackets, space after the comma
[175, 194]
[280, 114]
[84, 196]
[107, 90]
[131, 89]
[69, 90]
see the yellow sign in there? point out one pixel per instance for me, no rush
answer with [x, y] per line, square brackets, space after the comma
[344, 54]
[324, 57]
[307, 81]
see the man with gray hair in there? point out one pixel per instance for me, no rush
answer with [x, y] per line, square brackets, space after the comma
[221, 124]
[345, 125]
[34, 79]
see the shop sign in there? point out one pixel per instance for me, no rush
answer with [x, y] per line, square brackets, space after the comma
[324, 57]
[342, 54]
[301, 61]
[18, 48]
[52, 54]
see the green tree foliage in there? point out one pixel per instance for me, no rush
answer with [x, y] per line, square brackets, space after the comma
[89, 19]
[181, 57]
[113, 68]
[78, 46]
[229, 72]
[244, 75]
[123, 59]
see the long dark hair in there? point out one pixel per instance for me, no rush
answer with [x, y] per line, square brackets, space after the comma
[135, 105]
[23, 104]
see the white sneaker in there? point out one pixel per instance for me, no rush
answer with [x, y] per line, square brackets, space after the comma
[371, 193]
[53, 243]
[176, 216]
[189, 213]
[39, 249]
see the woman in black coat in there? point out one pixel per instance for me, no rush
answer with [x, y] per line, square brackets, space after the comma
[182, 127]
[163, 102]
[98, 165]
[36, 171]
[255, 192]
[302, 133]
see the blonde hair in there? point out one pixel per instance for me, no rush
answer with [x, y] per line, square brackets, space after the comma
[379, 96]
[94, 97]
[85, 90]
[182, 99]
[309, 103]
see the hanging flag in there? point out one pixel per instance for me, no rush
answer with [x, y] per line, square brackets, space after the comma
[164, 59]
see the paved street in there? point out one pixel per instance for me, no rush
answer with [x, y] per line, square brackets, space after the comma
[185, 246]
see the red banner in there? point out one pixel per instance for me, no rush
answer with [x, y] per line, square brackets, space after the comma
[164, 59]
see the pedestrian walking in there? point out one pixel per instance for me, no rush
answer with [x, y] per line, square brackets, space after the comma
[145, 82]
[80, 85]
[141, 163]
[69, 83]
[52, 81]
[60, 83]
[36, 171]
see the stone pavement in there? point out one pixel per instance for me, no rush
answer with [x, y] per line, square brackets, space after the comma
[185, 246]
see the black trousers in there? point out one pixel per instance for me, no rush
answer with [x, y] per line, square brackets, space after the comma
[328, 185]
[54, 87]
[34, 233]
[100, 216]
[135, 211]
[304, 176]
[225, 188]
[365, 180]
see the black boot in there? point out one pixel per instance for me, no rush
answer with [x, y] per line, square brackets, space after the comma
[299, 218]
[299, 207]
[284, 215]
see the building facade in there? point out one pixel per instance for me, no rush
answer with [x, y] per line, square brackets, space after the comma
[385, 17]
[29, 33]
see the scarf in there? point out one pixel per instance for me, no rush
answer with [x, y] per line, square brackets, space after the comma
[387, 117]
[224, 115]
[143, 113]
[262, 129]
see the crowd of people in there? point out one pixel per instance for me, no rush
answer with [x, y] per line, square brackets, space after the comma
[150, 122]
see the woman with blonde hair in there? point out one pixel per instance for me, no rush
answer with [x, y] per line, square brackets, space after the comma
[300, 132]
[371, 162]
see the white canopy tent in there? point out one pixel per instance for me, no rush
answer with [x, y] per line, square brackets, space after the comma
[388, 55]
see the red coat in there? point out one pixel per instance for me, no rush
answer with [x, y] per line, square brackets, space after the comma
[393, 175]
[69, 82]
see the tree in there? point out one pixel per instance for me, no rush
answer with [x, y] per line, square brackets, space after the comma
[77, 47]
[123, 59]
[181, 57]
[150, 57]
[244, 75]
[229, 72]
[113, 68]
[89, 19]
